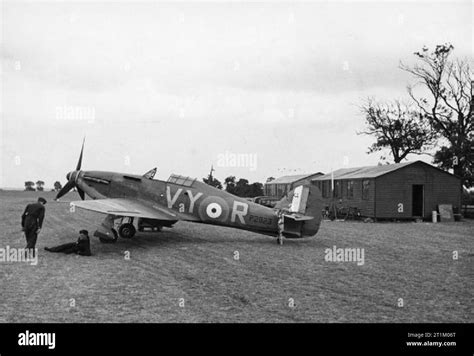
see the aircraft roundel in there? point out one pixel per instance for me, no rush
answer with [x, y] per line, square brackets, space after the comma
[214, 209]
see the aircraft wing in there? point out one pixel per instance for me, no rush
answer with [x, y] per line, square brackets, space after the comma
[126, 207]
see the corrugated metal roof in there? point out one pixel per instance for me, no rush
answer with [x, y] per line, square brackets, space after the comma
[291, 179]
[364, 172]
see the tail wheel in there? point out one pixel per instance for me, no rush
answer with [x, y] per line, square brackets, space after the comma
[127, 231]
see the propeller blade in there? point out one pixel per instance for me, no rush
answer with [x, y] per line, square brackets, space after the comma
[81, 193]
[79, 163]
[69, 185]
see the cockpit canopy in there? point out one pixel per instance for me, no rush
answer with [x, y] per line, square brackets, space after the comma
[181, 180]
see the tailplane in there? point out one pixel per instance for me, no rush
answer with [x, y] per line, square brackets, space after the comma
[302, 209]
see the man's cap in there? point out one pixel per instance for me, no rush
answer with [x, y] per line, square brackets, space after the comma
[84, 232]
[42, 200]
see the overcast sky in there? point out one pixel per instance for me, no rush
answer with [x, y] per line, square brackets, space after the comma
[178, 86]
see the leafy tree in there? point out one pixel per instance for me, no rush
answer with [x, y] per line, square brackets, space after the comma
[40, 185]
[230, 184]
[447, 105]
[30, 186]
[256, 189]
[397, 127]
[57, 186]
[242, 188]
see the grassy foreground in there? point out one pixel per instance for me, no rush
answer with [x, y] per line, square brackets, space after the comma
[190, 273]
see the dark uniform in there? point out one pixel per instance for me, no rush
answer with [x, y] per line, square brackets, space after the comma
[81, 247]
[31, 221]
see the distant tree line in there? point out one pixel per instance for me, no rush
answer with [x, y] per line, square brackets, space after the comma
[30, 186]
[240, 188]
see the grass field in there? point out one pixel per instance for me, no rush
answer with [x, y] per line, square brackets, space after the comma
[195, 262]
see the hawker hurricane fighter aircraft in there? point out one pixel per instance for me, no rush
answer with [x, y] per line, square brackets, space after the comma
[156, 204]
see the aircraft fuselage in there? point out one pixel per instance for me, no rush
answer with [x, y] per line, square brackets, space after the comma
[188, 198]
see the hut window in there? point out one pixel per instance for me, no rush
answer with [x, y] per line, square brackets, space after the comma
[337, 189]
[350, 189]
[365, 189]
[321, 187]
[280, 190]
[325, 190]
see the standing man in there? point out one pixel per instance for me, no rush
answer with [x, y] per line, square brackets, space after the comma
[32, 222]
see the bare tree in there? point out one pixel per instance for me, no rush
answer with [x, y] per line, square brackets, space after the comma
[397, 127]
[447, 106]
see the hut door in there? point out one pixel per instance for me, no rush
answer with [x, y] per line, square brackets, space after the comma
[417, 200]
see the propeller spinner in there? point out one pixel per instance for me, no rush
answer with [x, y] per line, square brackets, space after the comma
[72, 178]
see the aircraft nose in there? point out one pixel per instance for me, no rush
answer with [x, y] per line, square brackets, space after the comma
[68, 176]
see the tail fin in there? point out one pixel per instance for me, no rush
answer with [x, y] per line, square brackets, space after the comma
[314, 208]
[304, 205]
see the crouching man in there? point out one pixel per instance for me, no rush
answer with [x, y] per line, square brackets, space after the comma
[81, 247]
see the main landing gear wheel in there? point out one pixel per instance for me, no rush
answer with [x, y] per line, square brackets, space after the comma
[127, 231]
[110, 241]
